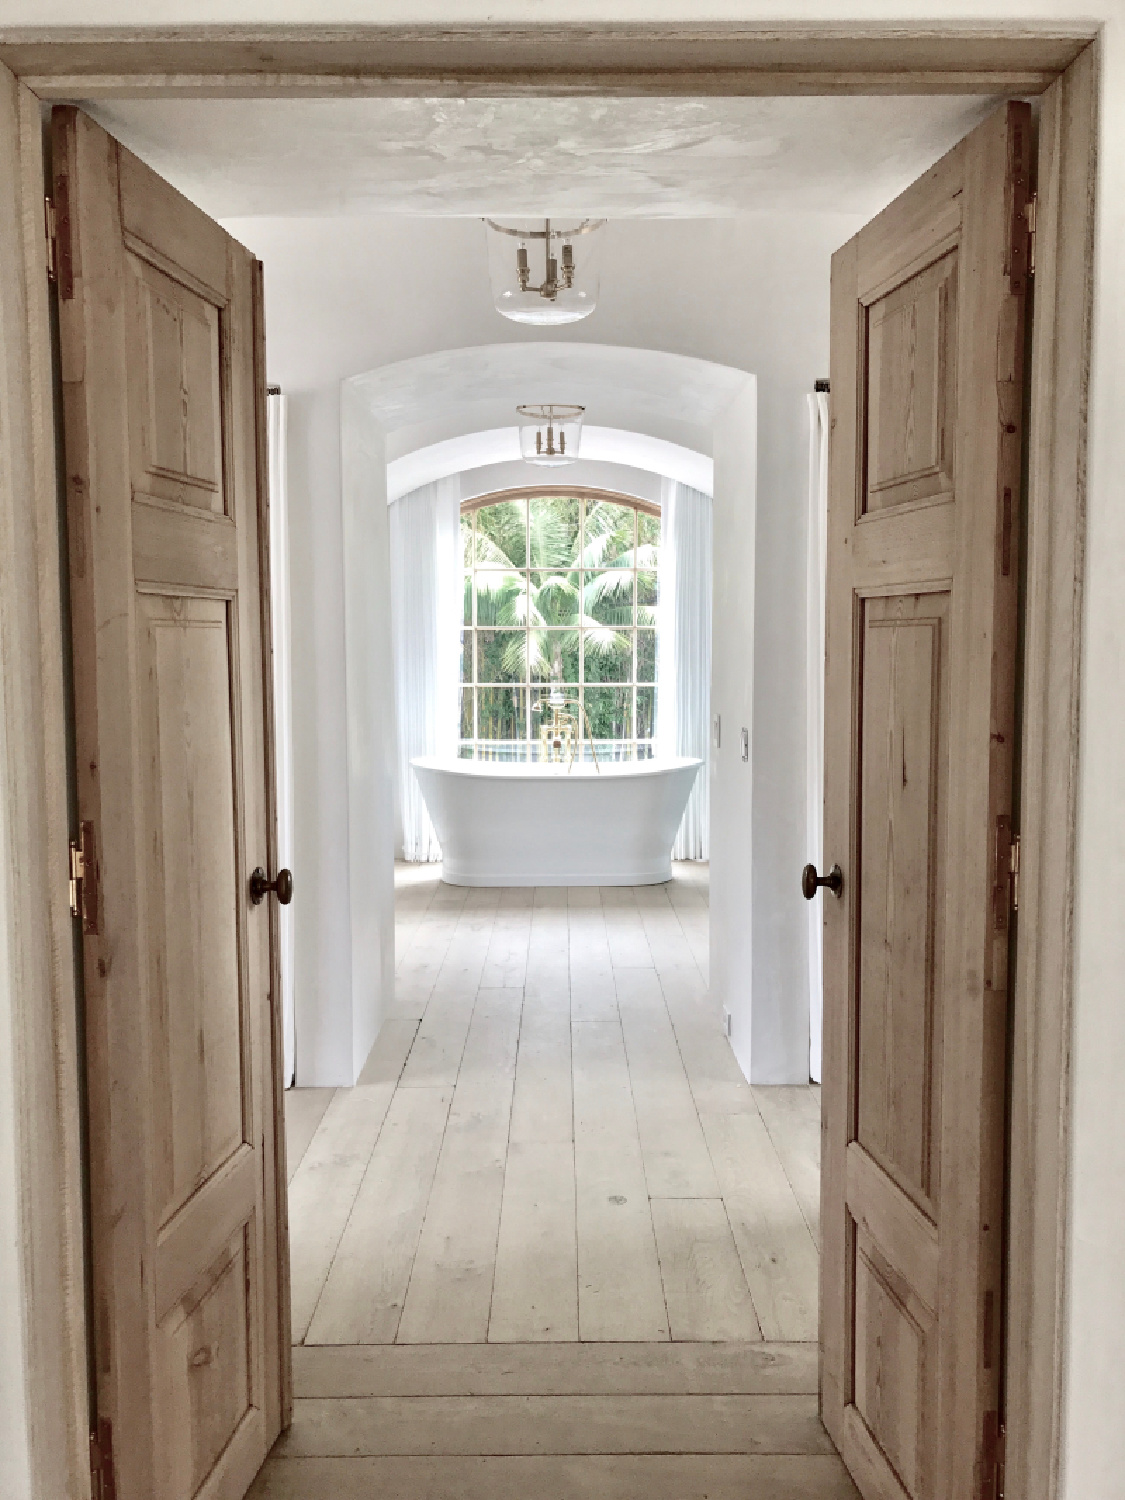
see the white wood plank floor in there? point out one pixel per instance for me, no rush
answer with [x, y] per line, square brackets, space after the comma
[552, 1140]
[553, 1242]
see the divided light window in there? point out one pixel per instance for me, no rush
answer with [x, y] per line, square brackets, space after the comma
[560, 589]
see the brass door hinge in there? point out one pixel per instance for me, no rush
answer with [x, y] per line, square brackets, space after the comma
[101, 1461]
[992, 1457]
[84, 879]
[52, 240]
[1031, 214]
[1014, 871]
[77, 870]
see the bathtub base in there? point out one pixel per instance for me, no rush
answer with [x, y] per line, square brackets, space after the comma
[451, 875]
[525, 825]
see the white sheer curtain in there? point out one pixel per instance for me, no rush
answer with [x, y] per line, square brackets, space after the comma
[814, 705]
[425, 627]
[683, 700]
[282, 706]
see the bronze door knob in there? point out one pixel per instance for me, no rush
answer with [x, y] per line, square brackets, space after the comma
[811, 881]
[281, 886]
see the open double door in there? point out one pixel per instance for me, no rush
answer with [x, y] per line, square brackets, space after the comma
[164, 391]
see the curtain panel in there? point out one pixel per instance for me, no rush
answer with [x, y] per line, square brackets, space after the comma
[281, 628]
[817, 554]
[425, 630]
[683, 700]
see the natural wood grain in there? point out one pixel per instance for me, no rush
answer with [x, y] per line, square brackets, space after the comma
[593, 996]
[450, 1290]
[620, 1294]
[695, 1477]
[676, 1160]
[42, 1113]
[920, 707]
[324, 1188]
[304, 1110]
[543, 1104]
[774, 1244]
[557, 1369]
[792, 1117]
[704, 1286]
[385, 1425]
[387, 1058]
[161, 413]
[535, 1285]
[363, 1295]
[1043, 993]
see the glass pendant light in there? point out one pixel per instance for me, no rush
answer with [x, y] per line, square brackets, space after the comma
[544, 273]
[550, 435]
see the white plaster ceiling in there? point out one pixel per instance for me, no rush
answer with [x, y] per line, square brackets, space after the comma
[465, 390]
[691, 158]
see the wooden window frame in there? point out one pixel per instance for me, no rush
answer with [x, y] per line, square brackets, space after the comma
[37, 979]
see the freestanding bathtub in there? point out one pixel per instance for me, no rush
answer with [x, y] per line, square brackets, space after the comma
[509, 823]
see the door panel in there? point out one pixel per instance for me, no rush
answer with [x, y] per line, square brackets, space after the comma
[927, 343]
[162, 410]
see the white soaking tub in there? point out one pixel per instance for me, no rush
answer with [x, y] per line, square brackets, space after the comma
[504, 823]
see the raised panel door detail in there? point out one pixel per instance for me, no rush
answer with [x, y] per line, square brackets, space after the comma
[195, 970]
[207, 1342]
[901, 795]
[892, 1367]
[175, 375]
[910, 396]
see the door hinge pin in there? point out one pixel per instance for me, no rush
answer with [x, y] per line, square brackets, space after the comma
[77, 872]
[1031, 214]
[52, 240]
[1014, 871]
[101, 1461]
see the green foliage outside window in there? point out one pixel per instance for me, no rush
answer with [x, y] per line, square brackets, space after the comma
[559, 591]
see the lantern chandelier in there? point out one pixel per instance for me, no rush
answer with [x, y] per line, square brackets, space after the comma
[549, 275]
[550, 435]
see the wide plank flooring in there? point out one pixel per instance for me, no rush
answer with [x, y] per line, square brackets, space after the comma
[553, 1242]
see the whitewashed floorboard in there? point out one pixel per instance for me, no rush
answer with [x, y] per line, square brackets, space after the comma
[366, 1287]
[684, 1369]
[543, 1103]
[535, 1286]
[494, 1425]
[676, 1159]
[304, 1110]
[792, 1117]
[559, 1477]
[620, 1294]
[774, 1243]
[450, 1292]
[324, 1188]
[704, 1285]
[593, 995]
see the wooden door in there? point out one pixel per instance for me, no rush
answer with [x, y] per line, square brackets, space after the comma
[927, 393]
[164, 398]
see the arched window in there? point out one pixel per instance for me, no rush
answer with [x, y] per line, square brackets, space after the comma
[560, 592]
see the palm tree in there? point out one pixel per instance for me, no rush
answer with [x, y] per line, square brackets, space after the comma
[576, 578]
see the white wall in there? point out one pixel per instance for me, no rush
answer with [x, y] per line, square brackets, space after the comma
[371, 725]
[321, 885]
[734, 590]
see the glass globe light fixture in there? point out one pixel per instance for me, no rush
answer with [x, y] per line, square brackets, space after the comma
[546, 272]
[550, 435]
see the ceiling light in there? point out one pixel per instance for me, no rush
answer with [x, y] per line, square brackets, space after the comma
[550, 435]
[544, 273]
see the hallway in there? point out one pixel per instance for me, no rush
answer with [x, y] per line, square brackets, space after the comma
[553, 1242]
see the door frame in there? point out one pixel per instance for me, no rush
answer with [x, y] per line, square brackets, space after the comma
[38, 1002]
